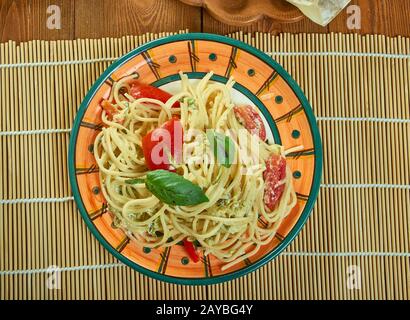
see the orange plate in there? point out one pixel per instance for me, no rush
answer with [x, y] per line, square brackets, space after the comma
[259, 79]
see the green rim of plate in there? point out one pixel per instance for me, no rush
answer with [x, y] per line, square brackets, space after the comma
[316, 139]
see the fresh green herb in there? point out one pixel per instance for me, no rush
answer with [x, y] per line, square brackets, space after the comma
[222, 147]
[134, 181]
[174, 189]
[191, 103]
[151, 229]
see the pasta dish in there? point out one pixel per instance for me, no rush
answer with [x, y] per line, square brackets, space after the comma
[191, 168]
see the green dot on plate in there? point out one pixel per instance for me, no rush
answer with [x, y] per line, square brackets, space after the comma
[96, 190]
[212, 57]
[91, 148]
[278, 99]
[251, 72]
[172, 59]
[295, 134]
[184, 260]
[146, 250]
[297, 174]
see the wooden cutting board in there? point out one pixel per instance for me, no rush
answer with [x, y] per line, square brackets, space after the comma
[244, 12]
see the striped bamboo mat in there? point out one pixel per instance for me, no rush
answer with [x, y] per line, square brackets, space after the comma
[358, 234]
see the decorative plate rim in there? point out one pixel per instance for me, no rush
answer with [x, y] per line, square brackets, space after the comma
[225, 16]
[317, 169]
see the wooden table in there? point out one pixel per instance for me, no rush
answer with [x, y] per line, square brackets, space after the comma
[23, 20]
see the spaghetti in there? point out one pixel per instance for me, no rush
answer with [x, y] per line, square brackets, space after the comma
[239, 216]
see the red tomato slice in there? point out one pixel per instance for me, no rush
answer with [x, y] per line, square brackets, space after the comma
[274, 173]
[190, 249]
[140, 90]
[169, 137]
[251, 120]
[109, 109]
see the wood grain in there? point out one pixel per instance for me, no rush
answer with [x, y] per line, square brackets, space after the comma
[265, 25]
[244, 12]
[23, 20]
[106, 18]
[389, 17]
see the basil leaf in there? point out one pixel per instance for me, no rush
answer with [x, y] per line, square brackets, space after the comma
[134, 181]
[174, 189]
[222, 146]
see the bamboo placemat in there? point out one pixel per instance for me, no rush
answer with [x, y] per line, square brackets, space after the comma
[360, 92]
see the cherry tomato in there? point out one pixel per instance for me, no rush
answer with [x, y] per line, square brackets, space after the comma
[251, 120]
[140, 90]
[275, 172]
[156, 144]
[190, 249]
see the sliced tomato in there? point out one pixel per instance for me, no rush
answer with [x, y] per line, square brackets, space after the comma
[140, 90]
[275, 172]
[109, 109]
[190, 249]
[251, 120]
[161, 142]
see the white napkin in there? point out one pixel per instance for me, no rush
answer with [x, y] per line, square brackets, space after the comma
[320, 11]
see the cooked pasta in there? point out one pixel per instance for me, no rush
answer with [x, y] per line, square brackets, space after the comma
[235, 221]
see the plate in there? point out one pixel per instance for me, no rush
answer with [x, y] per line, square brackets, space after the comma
[259, 80]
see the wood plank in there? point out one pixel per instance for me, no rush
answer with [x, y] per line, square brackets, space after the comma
[390, 18]
[378, 17]
[27, 20]
[370, 14]
[212, 25]
[107, 18]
